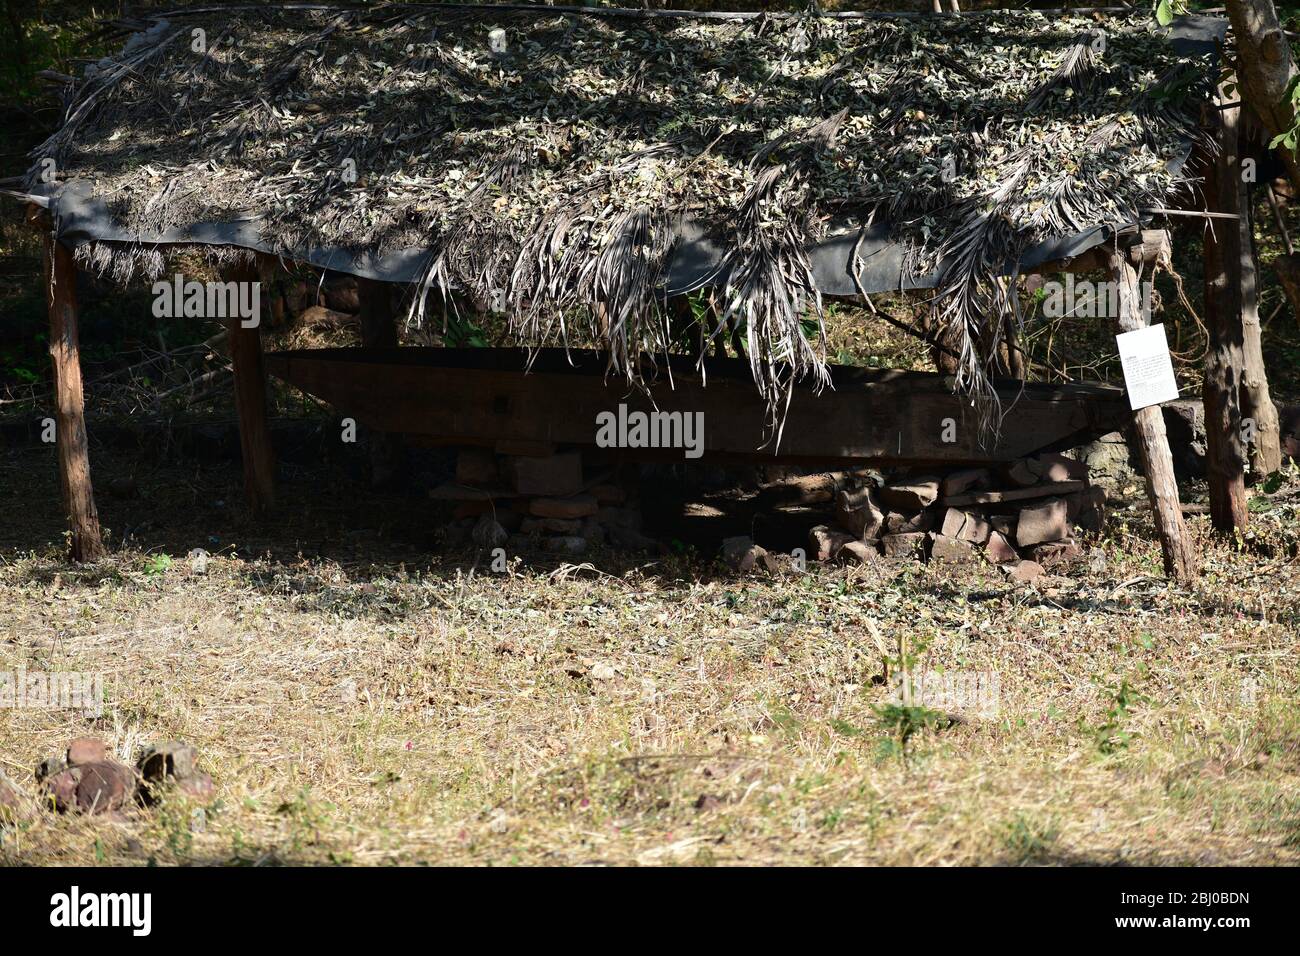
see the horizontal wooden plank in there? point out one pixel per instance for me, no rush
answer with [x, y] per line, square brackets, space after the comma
[869, 416]
[451, 491]
[1047, 490]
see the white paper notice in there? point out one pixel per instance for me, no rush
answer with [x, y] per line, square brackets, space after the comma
[1148, 370]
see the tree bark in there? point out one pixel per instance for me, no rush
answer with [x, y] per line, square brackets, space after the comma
[86, 542]
[1153, 446]
[1265, 69]
[1225, 459]
[1256, 401]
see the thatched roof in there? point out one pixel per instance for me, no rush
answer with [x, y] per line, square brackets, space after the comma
[559, 172]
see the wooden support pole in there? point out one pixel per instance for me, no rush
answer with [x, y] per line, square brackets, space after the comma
[272, 300]
[379, 331]
[1153, 445]
[378, 322]
[251, 402]
[1265, 450]
[1225, 459]
[69, 404]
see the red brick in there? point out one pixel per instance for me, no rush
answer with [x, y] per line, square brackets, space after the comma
[476, 466]
[999, 550]
[964, 480]
[1047, 520]
[1025, 571]
[965, 525]
[104, 787]
[575, 506]
[608, 494]
[896, 523]
[859, 552]
[86, 750]
[948, 550]
[910, 494]
[555, 476]
[856, 512]
[62, 788]
[825, 543]
[197, 787]
[1051, 466]
[551, 525]
[1051, 554]
[1019, 473]
[908, 545]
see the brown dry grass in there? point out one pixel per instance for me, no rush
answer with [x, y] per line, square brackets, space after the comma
[353, 708]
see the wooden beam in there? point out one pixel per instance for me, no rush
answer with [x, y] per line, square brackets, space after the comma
[251, 402]
[86, 542]
[1153, 445]
[1142, 248]
[472, 396]
[1046, 490]
[1225, 459]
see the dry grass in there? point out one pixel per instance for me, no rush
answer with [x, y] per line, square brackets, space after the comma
[356, 709]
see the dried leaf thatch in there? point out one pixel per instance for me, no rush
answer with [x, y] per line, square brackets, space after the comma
[549, 175]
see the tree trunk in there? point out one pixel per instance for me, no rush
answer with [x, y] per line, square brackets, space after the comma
[69, 404]
[1153, 446]
[1256, 402]
[1225, 459]
[1265, 69]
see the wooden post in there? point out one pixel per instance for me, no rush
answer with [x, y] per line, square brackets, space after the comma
[1256, 401]
[69, 403]
[272, 300]
[1153, 444]
[1225, 459]
[379, 331]
[378, 324]
[250, 402]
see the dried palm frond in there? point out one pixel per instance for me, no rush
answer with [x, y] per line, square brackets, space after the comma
[550, 177]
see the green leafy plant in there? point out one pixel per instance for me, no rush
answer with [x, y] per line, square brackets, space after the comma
[1166, 10]
[1272, 483]
[1112, 735]
[462, 332]
[1027, 839]
[903, 721]
[905, 718]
